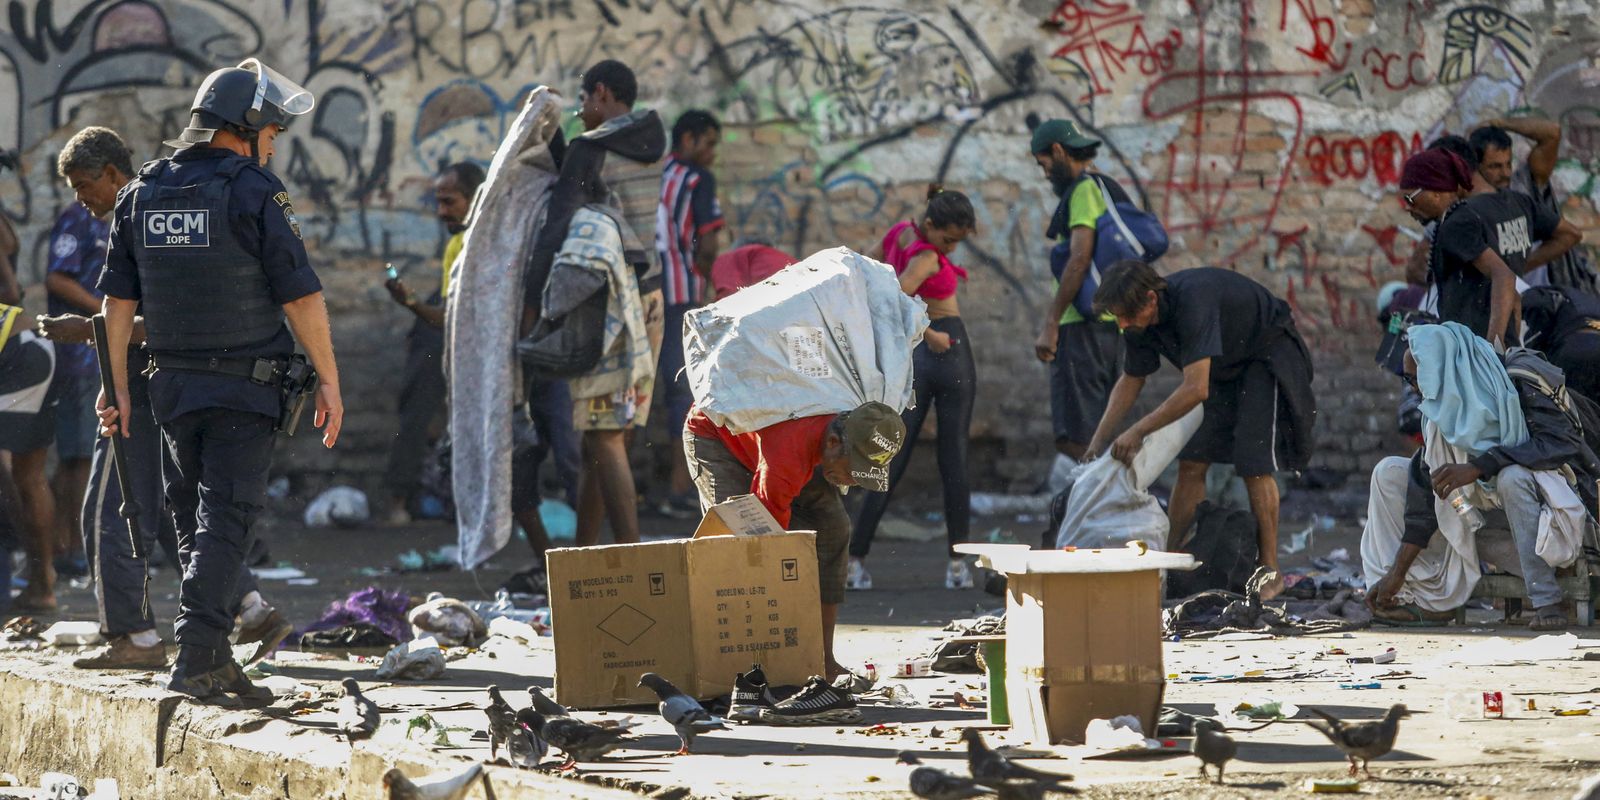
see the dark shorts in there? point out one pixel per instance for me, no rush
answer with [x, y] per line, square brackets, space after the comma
[27, 399]
[672, 383]
[1243, 418]
[719, 476]
[77, 426]
[1081, 378]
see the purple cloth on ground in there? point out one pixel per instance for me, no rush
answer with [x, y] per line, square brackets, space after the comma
[385, 610]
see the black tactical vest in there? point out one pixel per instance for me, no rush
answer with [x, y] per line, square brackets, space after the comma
[201, 290]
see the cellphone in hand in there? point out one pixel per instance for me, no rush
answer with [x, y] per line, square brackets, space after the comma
[389, 270]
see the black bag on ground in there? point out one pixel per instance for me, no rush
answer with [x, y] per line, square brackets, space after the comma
[1225, 544]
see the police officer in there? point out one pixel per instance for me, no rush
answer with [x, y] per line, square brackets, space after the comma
[206, 240]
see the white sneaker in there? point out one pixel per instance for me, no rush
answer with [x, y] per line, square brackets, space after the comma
[958, 576]
[858, 579]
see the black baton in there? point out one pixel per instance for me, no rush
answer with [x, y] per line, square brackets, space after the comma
[130, 506]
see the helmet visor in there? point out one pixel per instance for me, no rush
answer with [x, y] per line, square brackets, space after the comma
[274, 89]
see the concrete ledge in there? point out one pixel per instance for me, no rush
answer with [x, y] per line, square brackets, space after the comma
[122, 726]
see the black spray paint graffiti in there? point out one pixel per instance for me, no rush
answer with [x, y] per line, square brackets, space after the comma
[848, 73]
[1466, 29]
[776, 200]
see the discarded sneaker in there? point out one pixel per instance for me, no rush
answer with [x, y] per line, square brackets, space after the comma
[266, 635]
[122, 653]
[817, 703]
[751, 695]
[858, 579]
[958, 575]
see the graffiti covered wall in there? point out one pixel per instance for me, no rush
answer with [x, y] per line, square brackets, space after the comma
[1267, 134]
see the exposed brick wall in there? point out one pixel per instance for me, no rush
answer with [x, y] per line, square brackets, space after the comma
[1266, 134]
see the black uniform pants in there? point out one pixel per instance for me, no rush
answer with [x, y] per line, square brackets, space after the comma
[216, 478]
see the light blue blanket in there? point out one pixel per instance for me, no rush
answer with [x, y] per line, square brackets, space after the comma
[1465, 388]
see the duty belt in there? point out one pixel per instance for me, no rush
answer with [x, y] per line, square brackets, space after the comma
[263, 371]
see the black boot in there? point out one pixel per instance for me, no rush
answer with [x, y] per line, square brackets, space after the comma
[193, 675]
[231, 678]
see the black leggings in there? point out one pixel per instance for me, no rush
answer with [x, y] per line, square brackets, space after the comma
[949, 381]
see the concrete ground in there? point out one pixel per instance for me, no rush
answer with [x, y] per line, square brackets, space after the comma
[120, 726]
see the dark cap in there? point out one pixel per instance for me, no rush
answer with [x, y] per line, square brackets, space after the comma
[1062, 132]
[873, 433]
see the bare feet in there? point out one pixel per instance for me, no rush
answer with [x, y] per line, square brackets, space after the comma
[1269, 581]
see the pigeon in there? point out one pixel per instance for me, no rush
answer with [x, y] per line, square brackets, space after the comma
[994, 770]
[933, 783]
[451, 787]
[683, 712]
[358, 716]
[525, 747]
[502, 721]
[579, 740]
[1212, 746]
[1363, 740]
[544, 705]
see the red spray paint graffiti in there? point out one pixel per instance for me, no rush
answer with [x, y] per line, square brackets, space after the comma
[1107, 40]
[1354, 158]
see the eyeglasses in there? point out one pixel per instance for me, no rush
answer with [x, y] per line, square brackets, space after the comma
[1410, 199]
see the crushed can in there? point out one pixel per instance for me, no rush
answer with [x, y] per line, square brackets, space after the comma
[1494, 705]
[869, 671]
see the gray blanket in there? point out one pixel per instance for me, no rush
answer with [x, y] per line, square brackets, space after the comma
[482, 314]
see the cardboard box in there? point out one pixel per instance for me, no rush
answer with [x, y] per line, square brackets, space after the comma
[695, 611]
[1083, 636]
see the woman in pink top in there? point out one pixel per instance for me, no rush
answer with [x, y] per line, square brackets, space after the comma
[945, 376]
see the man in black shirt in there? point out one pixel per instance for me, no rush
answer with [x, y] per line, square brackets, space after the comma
[1476, 285]
[1241, 357]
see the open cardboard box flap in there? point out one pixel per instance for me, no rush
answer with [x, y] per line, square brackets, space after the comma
[1020, 559]
[743, 515]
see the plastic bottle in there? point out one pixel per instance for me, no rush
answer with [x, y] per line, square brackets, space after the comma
[1469, 515]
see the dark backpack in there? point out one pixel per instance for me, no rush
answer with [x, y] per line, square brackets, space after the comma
[1124, 231]
[1225, 544]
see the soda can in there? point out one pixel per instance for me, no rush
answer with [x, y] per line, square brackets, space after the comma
[1494, 705]
[914, 668]
[869, 671]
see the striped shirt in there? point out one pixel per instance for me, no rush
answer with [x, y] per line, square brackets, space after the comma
[688, 210]
[635, 188]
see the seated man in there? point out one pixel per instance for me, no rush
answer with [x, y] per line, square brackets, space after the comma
[1565, 324]
[1242, 359]
[1491, 475]
[779, 465]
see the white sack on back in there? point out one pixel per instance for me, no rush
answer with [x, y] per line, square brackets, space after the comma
[819, 337]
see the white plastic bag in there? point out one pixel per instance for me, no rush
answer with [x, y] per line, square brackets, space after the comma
[416, 660]
[1109, 506]
[343, 506]
[820, 337]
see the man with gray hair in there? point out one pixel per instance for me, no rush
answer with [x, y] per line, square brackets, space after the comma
[96, 164]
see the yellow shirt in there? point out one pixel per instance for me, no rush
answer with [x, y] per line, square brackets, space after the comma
[452, 249]
[1083, 211]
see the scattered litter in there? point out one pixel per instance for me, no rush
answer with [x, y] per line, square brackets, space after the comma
[881, 729]
[1496, 651]
[280, 685]
[344, 506]
[987, 504]
[356, 635]
[1366, 685]
[417, 660]
[894, 694]
[440, 560]
[508, 628]
[19, 629]
[1341, 554]
[72, 633]
[1117, 734]
[448, 620]
[302, 581]
[58, 786]
[1339, 786]
[1241, 637]
[1480, 705]
[914, 668]
[282, 572]
[560, 521]
[384, 610]
[1298, 541]
[1385, 657]
[1255, 709]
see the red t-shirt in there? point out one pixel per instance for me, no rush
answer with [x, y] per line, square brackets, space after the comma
[744, 266]
[782, 456]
